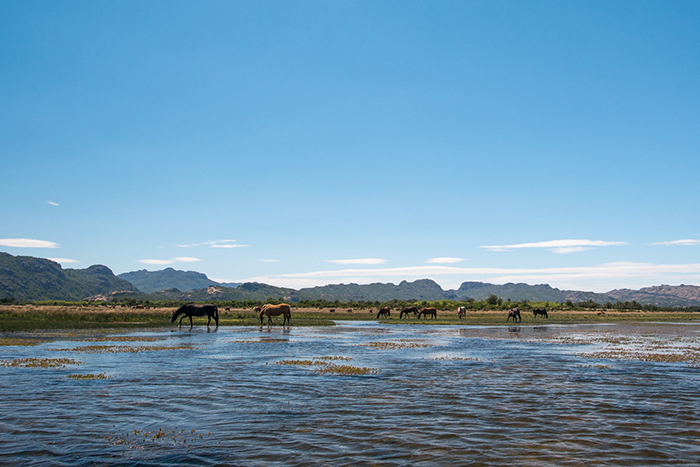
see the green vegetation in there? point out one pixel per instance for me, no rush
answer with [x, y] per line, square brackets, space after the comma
[325, 366]
[131, 313]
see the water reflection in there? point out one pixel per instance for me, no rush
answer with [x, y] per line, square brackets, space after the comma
[515, 395]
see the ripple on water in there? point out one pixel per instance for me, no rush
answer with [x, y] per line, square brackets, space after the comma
[472, 395]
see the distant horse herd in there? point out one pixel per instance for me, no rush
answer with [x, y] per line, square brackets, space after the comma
[211, 311]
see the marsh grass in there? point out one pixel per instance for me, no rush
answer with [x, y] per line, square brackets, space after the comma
[395, 345]
[326, 366]
[18, 318]
[15, 341]
[94, 349]
[87, 376]
[51, 363]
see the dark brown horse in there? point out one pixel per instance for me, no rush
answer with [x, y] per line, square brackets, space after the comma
[428, 311]
[515, 314]
[385, 312]
[192, 309]
[407, 310]
[276, 310]
[540, 311]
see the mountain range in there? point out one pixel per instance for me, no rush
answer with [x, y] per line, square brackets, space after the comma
[169, 278]
[29, 278]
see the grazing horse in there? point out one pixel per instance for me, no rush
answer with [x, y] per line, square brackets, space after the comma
[462, 312]
[515, 314]
[276, 310]
[428, 311]
[540, 311]
[191, 310]
[407, 310]
[385, 312]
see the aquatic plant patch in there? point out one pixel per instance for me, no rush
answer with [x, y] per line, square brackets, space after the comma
[88, 376]
[464, 359]
[123, 348]
[691, 358]
[124, 339]
[14, 341]
[394, 345]
[39, 363]
[164, 436]
[325, 366]
[345, 370]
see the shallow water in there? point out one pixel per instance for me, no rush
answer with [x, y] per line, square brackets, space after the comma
[442, 395]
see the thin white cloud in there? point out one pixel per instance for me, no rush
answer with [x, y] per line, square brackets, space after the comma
[224, 244]
[155, 261]
[188, 246]
[169, 261]
[63, 260]
[557, 246]
[444, 260]
[358, 261]
[27, 243]
[186, 259]
[686, 242]
[270, 260]
[52, 203]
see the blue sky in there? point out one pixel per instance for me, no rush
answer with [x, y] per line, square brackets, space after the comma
[312, 142]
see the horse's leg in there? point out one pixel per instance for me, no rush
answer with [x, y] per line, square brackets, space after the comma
[191, 324]
[181, 318]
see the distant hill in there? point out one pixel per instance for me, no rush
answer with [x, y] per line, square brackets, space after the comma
[518, 292]
[29, 278]
[422, 289]
[169, 278]
[660, 295]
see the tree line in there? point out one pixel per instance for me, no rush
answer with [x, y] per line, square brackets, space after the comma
[491, 303]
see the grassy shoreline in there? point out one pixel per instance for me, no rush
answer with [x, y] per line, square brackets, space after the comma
[18, 318]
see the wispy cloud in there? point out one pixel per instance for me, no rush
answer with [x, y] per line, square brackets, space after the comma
[686, 242]
[603, 277]
[224, 244]
[63, 260]
[557, 246]
[216, 244]
[358, 261]
[444, 260]
[27, 243]
[169, 261]
[52, 203]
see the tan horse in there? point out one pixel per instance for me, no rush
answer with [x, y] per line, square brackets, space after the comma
[276, 310]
